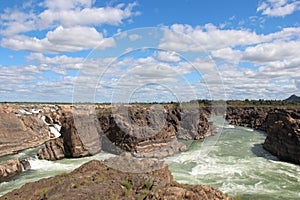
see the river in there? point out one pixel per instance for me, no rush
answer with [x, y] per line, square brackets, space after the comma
[237, 165]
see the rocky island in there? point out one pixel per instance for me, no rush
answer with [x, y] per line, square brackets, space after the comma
[95, 180]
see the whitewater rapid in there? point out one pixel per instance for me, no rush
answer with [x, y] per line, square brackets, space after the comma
[239, 166]
[44, 168]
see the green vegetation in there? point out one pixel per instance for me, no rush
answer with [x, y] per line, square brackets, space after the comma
[148, 185]
[128, 187]
[261, 102]
[58, 180]
[43, 191]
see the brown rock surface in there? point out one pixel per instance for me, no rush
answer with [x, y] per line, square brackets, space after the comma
[53, 150]
[9, 169]
[19, 133]
[95, 180]
[77, 139]
[24, 126]
[283, 139]
[148, 131]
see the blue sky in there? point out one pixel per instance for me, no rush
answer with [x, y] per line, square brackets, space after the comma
[111, 51]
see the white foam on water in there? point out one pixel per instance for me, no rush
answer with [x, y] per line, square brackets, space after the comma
[45, 165]
[22, 111]
[54, 131]
[233, 166]
[247, 129]
[58, 127]
[35, 111]
[229, 126]
[44, 120]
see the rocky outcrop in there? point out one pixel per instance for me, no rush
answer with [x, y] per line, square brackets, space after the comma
[32, 125]
[145, 131]
[283, 139]
[150, 131]
[75, 131]
[252, 117]
[77, 140]
[19, 133]
[25, 164]
[96, 180]
[53, 150]
[10, 169]
[13, 167]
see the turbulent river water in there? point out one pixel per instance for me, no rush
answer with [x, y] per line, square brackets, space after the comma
[237, 164]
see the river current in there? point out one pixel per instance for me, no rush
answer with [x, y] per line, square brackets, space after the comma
[236, 164]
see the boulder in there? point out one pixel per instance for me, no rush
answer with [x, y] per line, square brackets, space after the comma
[9, 169]
[25, 164]
[54, 150]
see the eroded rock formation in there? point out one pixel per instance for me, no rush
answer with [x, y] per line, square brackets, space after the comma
[18, 133]
[151, 132]
[81, 130]
[12, 167]
[145, 131]
[76, 141]
[283, 139]
[26, 126]
[9, 169]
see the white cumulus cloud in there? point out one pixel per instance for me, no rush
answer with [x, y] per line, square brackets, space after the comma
[60, 40]
[278, 8]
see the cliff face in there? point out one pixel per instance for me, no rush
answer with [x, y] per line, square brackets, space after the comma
[283, 140]
[142, 130]
[151, 133]
[282, 127]
[82, 130]
[252, 117]
[96, 180]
